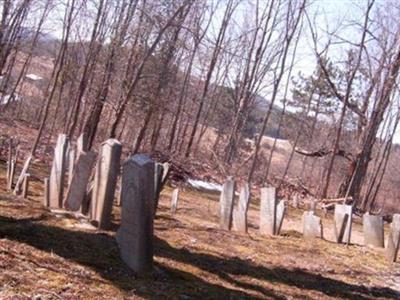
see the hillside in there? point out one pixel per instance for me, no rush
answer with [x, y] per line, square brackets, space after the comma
[57, 256]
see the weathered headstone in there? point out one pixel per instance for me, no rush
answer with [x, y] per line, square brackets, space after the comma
[58, 172]
[105, 180]
[11, 176]
[393, 241]
[174, 200]
[373, 230]
[226, 202]
[240, 211]
[158, 178]
[271, 212]
[71, 163]
[343, 219]
[312, 225]
[80, 178]
[25, 186]
[46, 196]
[24, 171]
[135, 236]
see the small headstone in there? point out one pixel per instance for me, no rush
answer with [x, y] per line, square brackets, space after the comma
[158, 183]
[46, 196]
[174, 200]
[11, 176]
[71, 163]
[24, 171]
[226, 204]
[271, 212]
[313, 204]
[295, 201]
[58, 172]
[312, 225]
[393, 241]
[373, 230]
[105, 180]
[80, 178]
[135, 236]
[343, 219]
[25, 186]
[240, 211]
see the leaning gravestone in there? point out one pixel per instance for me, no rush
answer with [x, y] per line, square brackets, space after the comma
[271, 212]
[240, 211]
[58, 172]
[105, 180]
[226, 202]
[343, 219]
[312, 225]
[373, 230]
[80, 178]
[174, 200]
[135, 236]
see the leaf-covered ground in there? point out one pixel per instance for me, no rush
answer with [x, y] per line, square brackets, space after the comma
[46, 255]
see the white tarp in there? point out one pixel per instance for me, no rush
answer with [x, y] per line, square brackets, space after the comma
[33, 77]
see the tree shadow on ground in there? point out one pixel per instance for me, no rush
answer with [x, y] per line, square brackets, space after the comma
[99, 251]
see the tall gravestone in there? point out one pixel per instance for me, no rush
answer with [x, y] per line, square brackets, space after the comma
[80, 178]
[174, 200]
[135, 235]
[240, 211]
[105, 180]
[373, 230]
[393, 241]
[226, 202]
[312, 225]
[271, 212]
[58, 172]
[343, 219]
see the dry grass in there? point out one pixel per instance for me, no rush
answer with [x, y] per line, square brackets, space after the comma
[51, 256]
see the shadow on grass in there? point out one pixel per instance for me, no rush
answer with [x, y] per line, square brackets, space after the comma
[100, 252]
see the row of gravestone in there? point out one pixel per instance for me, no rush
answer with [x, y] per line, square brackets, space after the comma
[272, 211]
[141, 183]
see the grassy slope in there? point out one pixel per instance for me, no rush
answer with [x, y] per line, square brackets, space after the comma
[54, 257]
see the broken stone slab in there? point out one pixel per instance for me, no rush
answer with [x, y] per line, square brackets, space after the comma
[312, 225]
[373, 230]
[392, 245]
[135, 235]
[271, 212]
[343, 219]
[174, 200]
[105, 180]
[240, 211]
[80, 178]
[58, 172]
[226, 202]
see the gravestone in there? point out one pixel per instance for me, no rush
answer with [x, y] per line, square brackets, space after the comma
[373, 230]
[11, 176]
[24, 171]
[312, 225]
[135, 235]
[71, 163]
[295, 201]
[46, 196]
[158, 182]
[174, 200]
[271, 212]
[80, 178]
[393, 241]
[58, 172]
[226, 204]
[343, 219]
[105, 180]
[240, 211]
[25, 186]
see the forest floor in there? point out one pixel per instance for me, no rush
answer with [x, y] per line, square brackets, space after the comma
[47, 255]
